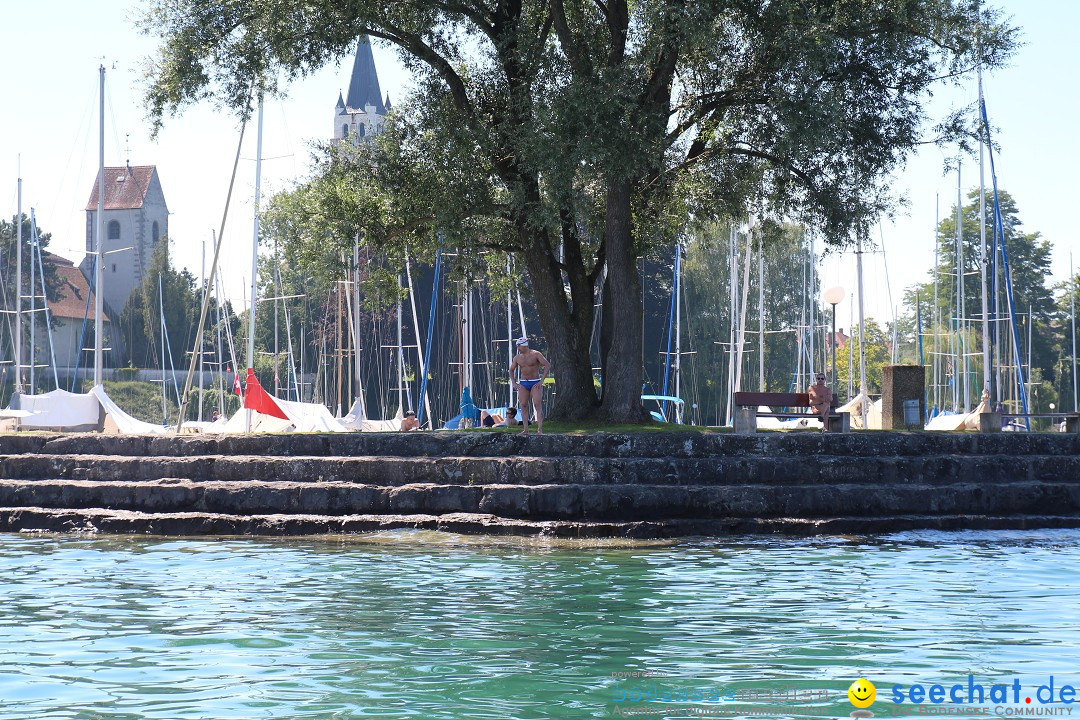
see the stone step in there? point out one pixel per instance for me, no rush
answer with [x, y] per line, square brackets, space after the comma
[597, 445]
[99, 520]
[523, 470]
[578, 502]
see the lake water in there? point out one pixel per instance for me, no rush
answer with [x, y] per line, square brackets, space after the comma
[423, 625]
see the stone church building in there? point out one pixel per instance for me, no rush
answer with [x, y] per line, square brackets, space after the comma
[136, 220]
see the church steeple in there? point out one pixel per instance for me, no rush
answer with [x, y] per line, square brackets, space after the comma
[364, 86]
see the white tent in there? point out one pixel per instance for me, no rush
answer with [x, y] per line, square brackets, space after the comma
[855, 407]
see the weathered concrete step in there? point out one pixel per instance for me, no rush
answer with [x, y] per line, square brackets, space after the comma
[637, 502]
[600, 444]
[389, 471]
[98, 520]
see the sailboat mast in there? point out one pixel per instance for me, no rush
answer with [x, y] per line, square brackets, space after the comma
[962, 322]
[732, 271]
[987, 358]
[254, 254]
[761, 313]
[202, 282]
[18, 288]
[400, 358]
[862, 334]
[813, 305]
[99, 258]
[937, 309]
[164, 392]
[33, 302]
[1072, 315]
[509, 340]
[356, 327]
[678, 326]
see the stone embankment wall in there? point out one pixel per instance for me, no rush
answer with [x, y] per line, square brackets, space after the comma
[639, 485]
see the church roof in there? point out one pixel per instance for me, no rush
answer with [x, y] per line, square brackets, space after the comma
[364, 85]
[71, 300]
[125, 187]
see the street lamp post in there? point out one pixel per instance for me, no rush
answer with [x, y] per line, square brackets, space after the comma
[833, 296]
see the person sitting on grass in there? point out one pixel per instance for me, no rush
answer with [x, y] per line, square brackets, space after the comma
[409, 422]
[511, 418]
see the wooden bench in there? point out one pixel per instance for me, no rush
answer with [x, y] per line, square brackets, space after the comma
[747, 403]
[992, 421]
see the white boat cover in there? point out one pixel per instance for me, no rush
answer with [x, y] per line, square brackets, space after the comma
[124, 423]
[310, 417]
[259, 423]
[958, 421]
[302, 417]
[76, 412]
[356, 422]
[59, 410]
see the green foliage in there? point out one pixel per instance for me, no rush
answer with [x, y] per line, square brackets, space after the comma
[177, 292]
[877, 357]
[8, 262]
[1029, 263]
[707, 318]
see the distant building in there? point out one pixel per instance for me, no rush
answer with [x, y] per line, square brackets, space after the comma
[136, 220]
[363, 110]
[74, 302]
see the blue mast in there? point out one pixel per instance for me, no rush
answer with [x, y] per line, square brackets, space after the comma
[430, 329]
[999, 230]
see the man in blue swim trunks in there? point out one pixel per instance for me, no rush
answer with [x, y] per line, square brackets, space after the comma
[534, 367]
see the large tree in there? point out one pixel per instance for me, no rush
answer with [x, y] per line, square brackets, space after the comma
[588, 130]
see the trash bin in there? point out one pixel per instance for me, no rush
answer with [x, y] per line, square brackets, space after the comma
[912, 416]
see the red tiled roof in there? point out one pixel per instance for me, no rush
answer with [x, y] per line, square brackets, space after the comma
[72, 295]
[125, 187]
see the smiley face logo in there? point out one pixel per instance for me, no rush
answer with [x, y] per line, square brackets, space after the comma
[862, 693]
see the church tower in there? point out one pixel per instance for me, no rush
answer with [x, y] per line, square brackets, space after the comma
[136, 219]
[363, 110]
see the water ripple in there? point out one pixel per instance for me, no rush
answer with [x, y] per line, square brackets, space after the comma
[418, 625]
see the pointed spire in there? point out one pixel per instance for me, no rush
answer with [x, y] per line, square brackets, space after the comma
[364, 86]
[340, 102]
[386, 103]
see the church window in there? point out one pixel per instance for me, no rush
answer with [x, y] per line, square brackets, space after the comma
[155, 233]
[114, 267]
[360, 128]
[114, 230]
[344, 131]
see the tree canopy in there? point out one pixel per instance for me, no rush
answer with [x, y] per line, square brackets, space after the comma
[578, 134]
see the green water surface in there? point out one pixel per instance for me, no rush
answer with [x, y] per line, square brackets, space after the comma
[425, 625]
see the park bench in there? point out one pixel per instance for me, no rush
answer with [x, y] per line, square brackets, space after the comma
[747, 403]
[994, 423]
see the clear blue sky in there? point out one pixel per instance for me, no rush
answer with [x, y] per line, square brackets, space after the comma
[51, 120]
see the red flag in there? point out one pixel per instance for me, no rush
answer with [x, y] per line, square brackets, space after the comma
[257, 399]
[236, 383]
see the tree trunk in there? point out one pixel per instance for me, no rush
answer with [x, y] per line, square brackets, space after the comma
[567, 330]
[622, 367]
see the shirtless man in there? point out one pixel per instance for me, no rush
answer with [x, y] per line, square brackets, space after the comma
[534, 368]
[821, 400]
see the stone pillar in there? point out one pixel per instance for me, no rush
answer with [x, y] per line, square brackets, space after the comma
[900, 383]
